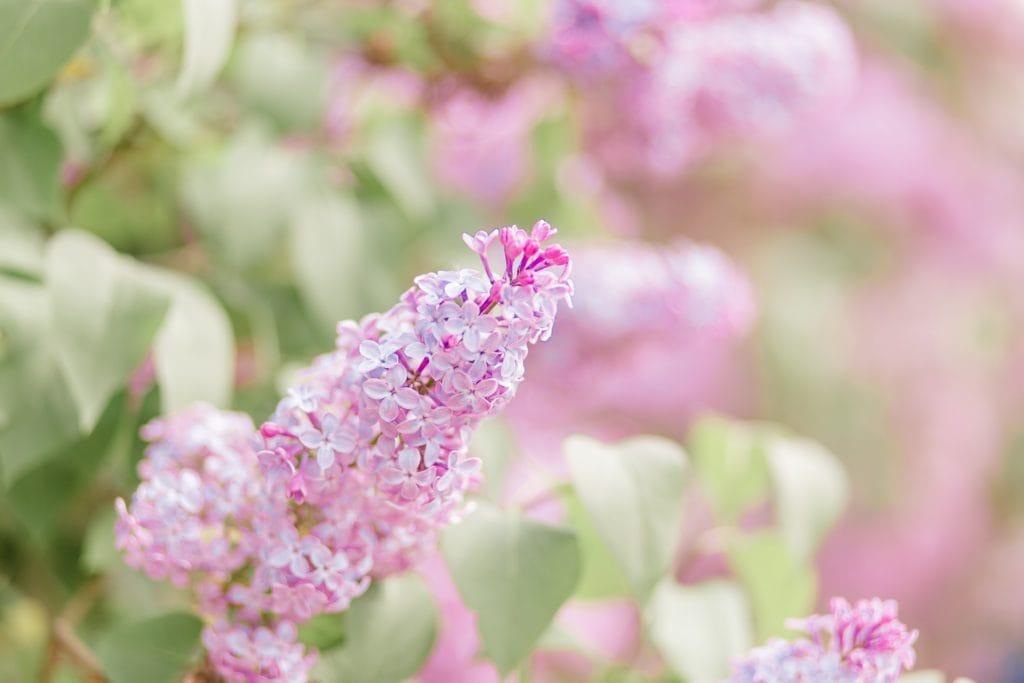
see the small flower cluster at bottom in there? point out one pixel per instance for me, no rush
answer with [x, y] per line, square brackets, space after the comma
[860, 643]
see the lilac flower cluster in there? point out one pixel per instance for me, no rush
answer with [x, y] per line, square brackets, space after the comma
[861, 643]
[359, 466]
[685, 74]
[651, 340]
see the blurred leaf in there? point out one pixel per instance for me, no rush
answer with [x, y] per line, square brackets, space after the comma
[194, 352]
[30, 156]
[396, 156]
[924, 677]
[729, 459]
[36, 38]
[390, 632]
[811, 492]
[493, 442]
[324, 631]
[131, 204]
[209, 32]
[633, 492]
[326, 246]
[514, 573]
[37, 413]
[281, 77]
[21, 249]
[601, 576]
[242, 201]
[105, 316]
[98, 547]
[778, 586]
[699, 629]
[157, 650]
[42, 496]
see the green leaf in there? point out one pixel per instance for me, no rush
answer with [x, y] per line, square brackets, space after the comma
[323, 632]
[157, 650]
[326, 251]
[105, 316]
[396, 156]
[242, 201]
[98, 547]
[45, 495]
[209, 32]
[729, 459]
[811, 491]
[21, 249]
[633, 492]
[779, 587]
[37, 414]
[36, 38]
[601, 575]
[282, 78]
[699, 629]
[515, 574]
[194, 352]
[390, 632]
[928, 676]
[493, 442]
[30, 156]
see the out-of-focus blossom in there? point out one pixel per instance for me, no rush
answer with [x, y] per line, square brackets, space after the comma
[743, 74]
[678, 77]
[481, 142]
[861, 643]
[257, 654]
[648, 343]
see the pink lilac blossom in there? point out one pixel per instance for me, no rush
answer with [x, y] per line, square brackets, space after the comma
[257, 654]
[480, 142]
[355, 471]
[678, 78]
[651, 340]
[860, 643]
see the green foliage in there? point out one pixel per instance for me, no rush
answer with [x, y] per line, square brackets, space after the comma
[30, 156]
[730, 463]
[633, 493]
[778, 586]
[103, 330]
[156, 650]
[36, 38]
[811, 491]
[699, 629]
[389, 632]
[515, 574]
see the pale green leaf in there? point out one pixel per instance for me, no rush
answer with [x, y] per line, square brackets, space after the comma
[37, 413]
[36, 38]
[515, 574]
[282, 78]
[30, 156]
[209, 32]
[105, 316]
[729, 460]
[633, 492]
[699, 629]
[811, 491]
[194, 351]
[327, 249]
[157, 650]
[779, 587]
[389, 632]
[243, 200]
[396, 156]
